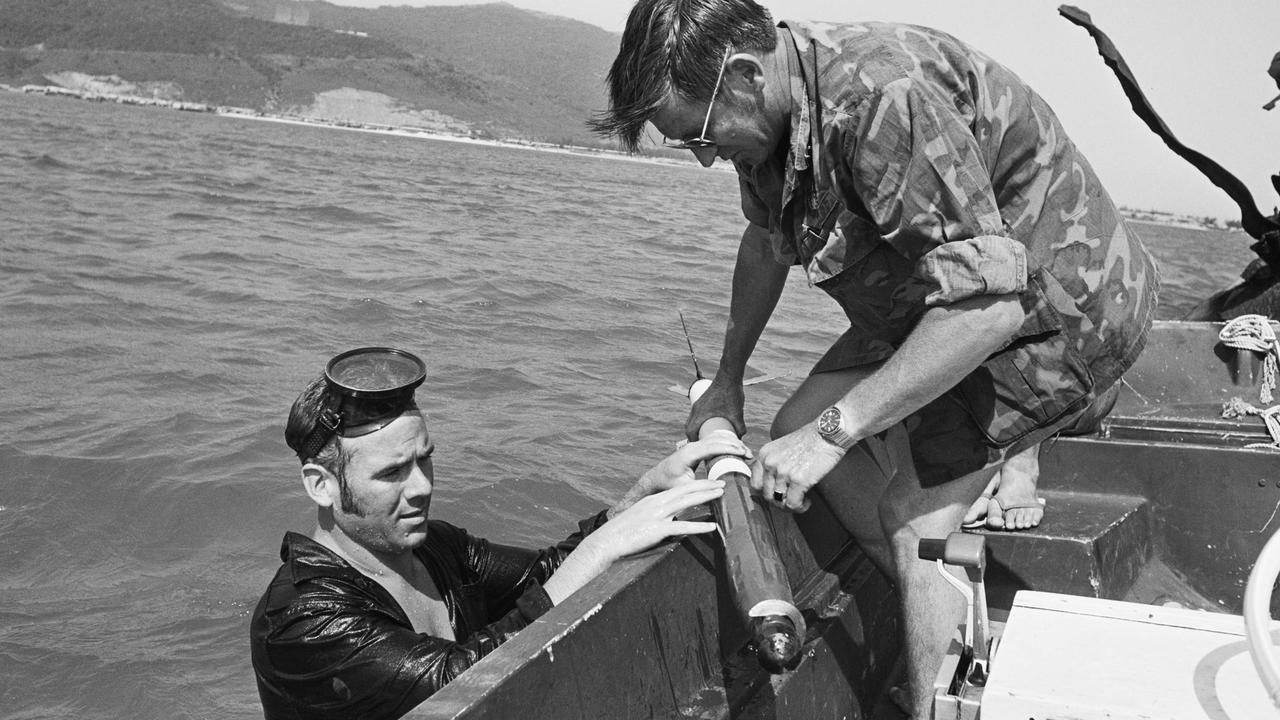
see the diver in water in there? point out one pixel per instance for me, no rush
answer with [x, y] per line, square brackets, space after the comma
[380, 606]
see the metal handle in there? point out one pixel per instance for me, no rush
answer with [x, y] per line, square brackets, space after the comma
[968, 551]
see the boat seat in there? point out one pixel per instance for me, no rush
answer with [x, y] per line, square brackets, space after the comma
[1089, 544]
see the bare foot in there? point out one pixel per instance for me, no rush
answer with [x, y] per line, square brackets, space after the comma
[977, 515]
[1009, 501]
[1014, 504]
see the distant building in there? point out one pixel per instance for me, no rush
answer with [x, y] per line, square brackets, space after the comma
[292, 13]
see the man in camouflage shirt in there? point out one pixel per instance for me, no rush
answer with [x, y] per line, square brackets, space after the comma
[993, 293]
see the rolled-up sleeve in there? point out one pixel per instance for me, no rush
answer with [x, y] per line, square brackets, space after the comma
[962, 269]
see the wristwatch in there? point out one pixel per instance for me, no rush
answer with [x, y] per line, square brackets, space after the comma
[831, 428]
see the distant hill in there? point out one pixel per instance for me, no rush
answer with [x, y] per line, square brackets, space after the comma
[192, 27]
[495, 69]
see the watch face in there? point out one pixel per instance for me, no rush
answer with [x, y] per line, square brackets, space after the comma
[829, 421]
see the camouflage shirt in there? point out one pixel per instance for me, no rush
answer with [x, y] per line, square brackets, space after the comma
[941, 176]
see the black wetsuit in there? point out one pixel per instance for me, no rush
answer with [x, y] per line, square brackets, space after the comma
[329, 642]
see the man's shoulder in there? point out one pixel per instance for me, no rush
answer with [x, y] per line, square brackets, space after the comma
[872, 37]
[893, 46]
[447, 535]
[854, 61]
[311, 581]
[448, 547]
[857, 61]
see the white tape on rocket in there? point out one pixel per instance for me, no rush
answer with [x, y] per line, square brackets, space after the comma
[727, 465]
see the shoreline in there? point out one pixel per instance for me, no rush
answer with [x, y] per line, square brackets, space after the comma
[1181, 224]
[426, 134]
[291, 119]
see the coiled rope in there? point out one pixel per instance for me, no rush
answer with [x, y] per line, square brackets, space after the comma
[1254, 333]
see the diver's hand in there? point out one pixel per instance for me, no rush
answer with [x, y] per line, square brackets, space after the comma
[651, 519]
[724, 398]
[789, 467]
[678, 468]
[645, 524]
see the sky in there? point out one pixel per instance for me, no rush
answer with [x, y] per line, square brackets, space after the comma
[1201, 64]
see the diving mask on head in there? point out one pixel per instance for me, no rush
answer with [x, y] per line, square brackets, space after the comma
[375, 384]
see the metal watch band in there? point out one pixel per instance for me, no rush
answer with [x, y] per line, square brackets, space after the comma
[837, 435]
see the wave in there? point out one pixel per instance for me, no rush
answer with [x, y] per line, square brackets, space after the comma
[45, 161]
[339, 214]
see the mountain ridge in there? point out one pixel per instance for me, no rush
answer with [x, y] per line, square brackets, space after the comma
[500, 71]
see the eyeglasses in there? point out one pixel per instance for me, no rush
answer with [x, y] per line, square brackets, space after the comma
[702, 142]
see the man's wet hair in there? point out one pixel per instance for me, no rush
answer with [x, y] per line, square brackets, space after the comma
[675, 46]
[314, 399]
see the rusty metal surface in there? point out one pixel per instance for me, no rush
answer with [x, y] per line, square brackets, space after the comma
[1213, 502]
[639, 641]
[659, 636]
[844, 669]
[1213, 508]
[1184, 371]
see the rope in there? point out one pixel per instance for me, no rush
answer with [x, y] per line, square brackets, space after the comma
[1254, 333]
[1237, 408]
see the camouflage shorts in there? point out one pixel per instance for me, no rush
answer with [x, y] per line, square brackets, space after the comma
[947, 443]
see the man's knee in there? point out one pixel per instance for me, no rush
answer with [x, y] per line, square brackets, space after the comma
[898, 519]
[909, 511]
[1090, 419]
[788, 420]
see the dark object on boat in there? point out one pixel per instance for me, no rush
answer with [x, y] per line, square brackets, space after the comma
[1259, 293]
[778, 644]
[959, 687]
[757, 577]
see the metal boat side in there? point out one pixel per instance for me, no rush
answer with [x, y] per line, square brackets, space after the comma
[657, 636]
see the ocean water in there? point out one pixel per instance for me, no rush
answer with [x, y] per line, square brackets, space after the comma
[170, 281]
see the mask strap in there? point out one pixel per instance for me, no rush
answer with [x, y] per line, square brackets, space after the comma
[327, 424]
